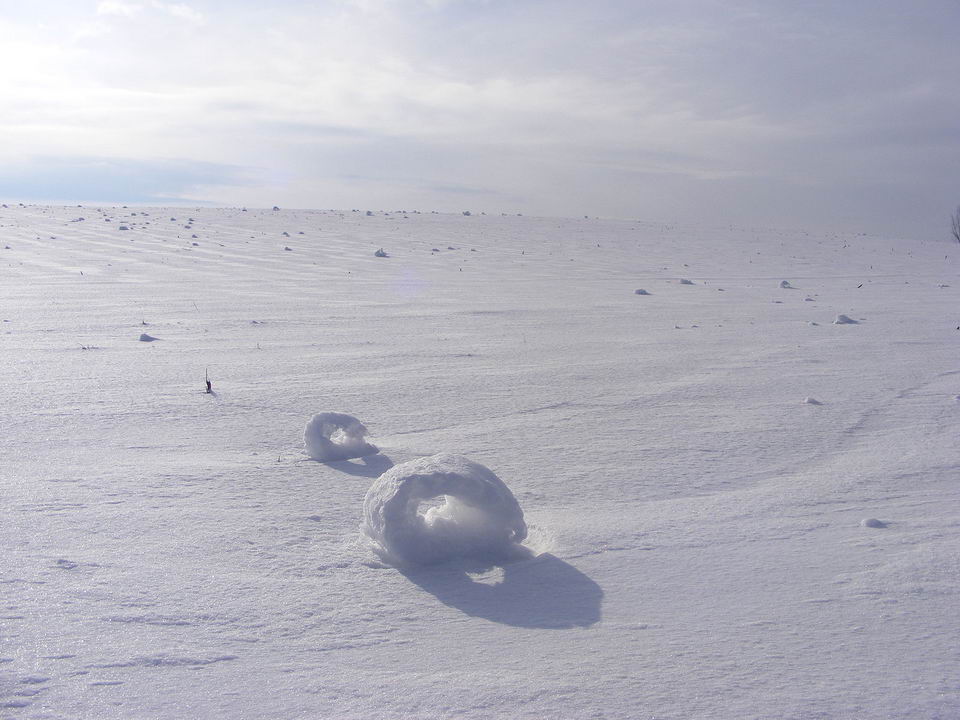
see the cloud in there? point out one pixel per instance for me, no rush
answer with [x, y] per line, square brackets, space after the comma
[101, 179]
[130, 9]
[181, 11]
[119, 7]
[659, 109]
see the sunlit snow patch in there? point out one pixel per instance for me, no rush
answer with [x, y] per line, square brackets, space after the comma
[478, 515]
[336, 436]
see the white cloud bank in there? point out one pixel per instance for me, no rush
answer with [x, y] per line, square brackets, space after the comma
[766, 113]
[128, 9]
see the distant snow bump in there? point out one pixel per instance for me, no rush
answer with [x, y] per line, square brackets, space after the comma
[479, 516]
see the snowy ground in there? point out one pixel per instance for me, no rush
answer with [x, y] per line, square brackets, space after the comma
[702, 550]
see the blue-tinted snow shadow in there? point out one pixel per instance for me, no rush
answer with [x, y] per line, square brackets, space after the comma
[370, 466]
[542, 591]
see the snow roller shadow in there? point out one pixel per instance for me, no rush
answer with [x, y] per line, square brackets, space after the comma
[541, 591]
[369, 466]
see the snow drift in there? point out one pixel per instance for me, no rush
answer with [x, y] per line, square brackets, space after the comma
[479, 516]
[333, 436]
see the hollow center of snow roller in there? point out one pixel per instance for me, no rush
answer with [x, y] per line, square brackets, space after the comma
[428, 504]
[338, 436]
[449, 516]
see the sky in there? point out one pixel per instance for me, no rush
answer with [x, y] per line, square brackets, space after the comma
[767, 113]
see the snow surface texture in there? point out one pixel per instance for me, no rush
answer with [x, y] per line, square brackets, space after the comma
[479, 516]
[331, 436]
[698, 550]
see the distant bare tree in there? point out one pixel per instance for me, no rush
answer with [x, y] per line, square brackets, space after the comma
[955, 224]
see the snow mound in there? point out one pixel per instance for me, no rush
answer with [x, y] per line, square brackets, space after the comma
[844, 320]
[640, 291]
[785, 284]
[147, 338]
[811, 401]
[873, 523]
[333, 436]
[479, 516]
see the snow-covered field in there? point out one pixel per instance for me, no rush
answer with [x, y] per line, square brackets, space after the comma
[735, 507]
